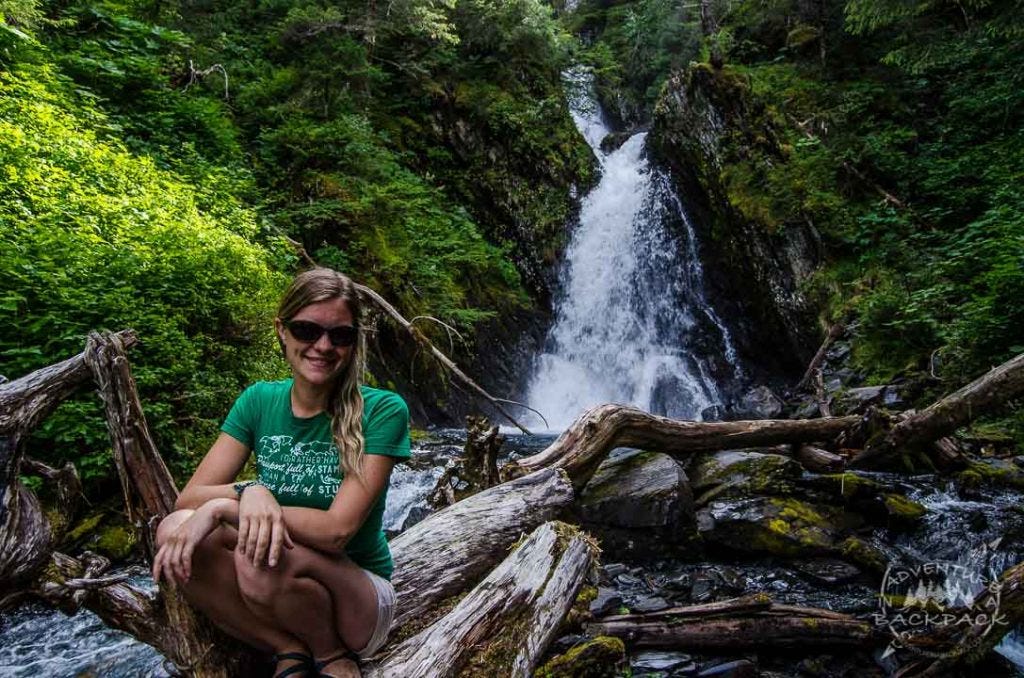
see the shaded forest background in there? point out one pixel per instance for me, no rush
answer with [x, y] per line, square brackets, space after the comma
[157, 156]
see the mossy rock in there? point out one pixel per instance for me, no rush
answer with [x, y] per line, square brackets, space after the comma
[903, 513]
[775, 526]
[736, 473]
[106, 532]
[601, 657]
[864, 555]
[991, 473]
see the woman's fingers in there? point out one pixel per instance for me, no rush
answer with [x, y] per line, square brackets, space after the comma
[255, 527]
[158, 563]
[278, 539]
[243, 533]
[259, 556]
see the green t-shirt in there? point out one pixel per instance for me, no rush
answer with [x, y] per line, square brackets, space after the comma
[297, 460]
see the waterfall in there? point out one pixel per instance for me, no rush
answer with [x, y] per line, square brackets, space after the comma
[632, 321]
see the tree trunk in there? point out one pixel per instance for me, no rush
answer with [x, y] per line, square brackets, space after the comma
[449, 550]
[507, 621]
[942, 418]
[25, 535]
[585, 444]
[751, 622]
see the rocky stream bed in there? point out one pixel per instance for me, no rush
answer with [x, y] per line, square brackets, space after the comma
[725, 525]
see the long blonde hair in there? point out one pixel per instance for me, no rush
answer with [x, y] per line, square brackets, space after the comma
[345, 401]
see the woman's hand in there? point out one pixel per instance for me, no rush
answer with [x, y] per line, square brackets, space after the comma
[261, 528]
[174, 559]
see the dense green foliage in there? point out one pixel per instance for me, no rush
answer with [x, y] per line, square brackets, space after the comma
[157, 158]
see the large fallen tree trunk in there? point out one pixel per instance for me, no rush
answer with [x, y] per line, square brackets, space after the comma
[508, 619]
[585, 444]
[751, 622]
[998, 386]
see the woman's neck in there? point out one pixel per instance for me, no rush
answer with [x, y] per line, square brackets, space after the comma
[307, 400]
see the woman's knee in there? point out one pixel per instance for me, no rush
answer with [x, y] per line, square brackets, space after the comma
[170, 523]
[258, 585]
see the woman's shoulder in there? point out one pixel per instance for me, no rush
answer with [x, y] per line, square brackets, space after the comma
[379, 402]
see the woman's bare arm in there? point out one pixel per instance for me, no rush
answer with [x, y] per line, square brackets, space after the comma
[215, 474]
[330, 530]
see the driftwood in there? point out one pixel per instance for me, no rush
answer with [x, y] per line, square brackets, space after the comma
[997, 386]
[751, 622]
[475, 470]
[514, 612]
[585, 444]
[818, 460]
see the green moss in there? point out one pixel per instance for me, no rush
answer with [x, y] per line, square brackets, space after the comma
[117, 542]
[980, 474]
[864, 555]
[596, 658]
[903, 511]
[849, 485]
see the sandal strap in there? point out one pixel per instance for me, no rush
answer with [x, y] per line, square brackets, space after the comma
[305, 663]
[318, 666]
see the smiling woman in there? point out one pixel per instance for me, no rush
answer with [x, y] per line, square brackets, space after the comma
[296, 562]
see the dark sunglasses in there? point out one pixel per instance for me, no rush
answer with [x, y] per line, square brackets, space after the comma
[310, 332]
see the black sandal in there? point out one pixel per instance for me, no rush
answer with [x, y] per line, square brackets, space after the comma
[305, 664]
[318, 666]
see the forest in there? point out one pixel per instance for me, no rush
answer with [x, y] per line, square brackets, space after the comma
[853, 171]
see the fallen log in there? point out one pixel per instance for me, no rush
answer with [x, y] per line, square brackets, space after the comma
[508, 619]
[445, 553]
[751, 622]
[942, 418]
[585, 444]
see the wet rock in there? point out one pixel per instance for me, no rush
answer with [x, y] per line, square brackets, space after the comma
[646, 603]
[902, 513]
[713, 413]
[639, 503]
[740, 668]
[603, 656]
[774, 526]
[982, 473]
[703, 589]
[680, 583]
[613, 570]
[614, 140]
[416, 514]
[607, 601]
[866, 555]
[628, 580]
[741, 473]
[566, 643]
[759, 403]
[827, 571]
[675, 663]
[857, 400]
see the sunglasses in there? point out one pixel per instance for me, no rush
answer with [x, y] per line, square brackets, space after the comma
[309, 332]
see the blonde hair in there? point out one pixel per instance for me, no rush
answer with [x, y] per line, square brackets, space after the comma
[345, 401]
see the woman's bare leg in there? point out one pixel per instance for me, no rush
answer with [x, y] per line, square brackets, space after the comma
[308, 584]
[213, 588]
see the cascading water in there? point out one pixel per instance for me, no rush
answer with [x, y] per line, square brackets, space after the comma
[632, 322]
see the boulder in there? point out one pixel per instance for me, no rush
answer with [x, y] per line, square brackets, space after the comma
[741, 473]
[759, 403]
[639, 504]
[857, 400]
[773, 526]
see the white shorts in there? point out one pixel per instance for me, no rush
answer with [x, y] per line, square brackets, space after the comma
[385, 614]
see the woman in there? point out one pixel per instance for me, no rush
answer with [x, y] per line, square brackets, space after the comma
[296, 563]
